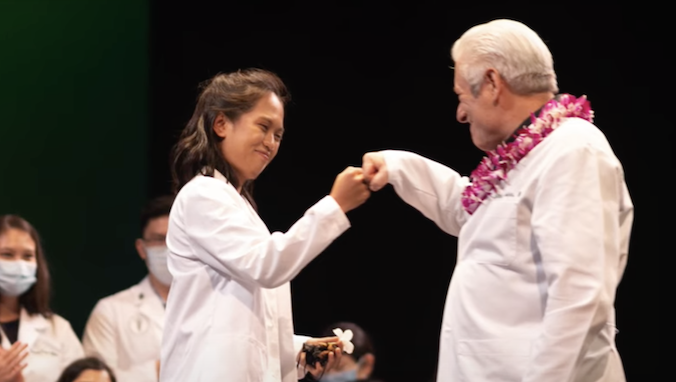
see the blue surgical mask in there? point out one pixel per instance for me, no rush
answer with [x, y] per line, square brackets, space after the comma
[343, 376]
[157, 263]
[16, 277]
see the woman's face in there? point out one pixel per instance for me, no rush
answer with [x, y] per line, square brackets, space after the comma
[91, 375]
[16, 245]
[252, 141]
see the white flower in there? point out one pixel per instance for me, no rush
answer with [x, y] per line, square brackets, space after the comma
[345, 338]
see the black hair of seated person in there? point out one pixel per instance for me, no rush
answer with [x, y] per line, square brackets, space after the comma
[360, 339]
[156, 208]
[72, 371]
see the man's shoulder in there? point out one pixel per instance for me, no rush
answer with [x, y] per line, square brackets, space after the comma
[577, 131]
[574, 134]
[124, 297]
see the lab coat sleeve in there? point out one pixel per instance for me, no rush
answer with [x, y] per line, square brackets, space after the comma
[575, 220]
[430, 187]
[298, 341]
[225, 236]
[72, 347]
[100, 340]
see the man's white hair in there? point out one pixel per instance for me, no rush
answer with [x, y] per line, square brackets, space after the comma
[518, 54]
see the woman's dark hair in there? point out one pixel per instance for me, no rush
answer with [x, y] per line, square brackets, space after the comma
[233, 94]
[72, 371]
[36, 299]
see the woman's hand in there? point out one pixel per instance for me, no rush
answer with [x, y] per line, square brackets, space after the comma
[11, 362]
[332, 356]
[349, 189]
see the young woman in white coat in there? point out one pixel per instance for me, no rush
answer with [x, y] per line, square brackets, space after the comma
[36, 343]
[228, 315]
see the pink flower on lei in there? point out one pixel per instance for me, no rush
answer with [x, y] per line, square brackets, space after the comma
[493, 169]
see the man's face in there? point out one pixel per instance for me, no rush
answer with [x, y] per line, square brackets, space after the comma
[155, 234]
[480, 112]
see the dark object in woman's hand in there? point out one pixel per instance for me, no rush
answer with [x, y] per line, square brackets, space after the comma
[318, 352]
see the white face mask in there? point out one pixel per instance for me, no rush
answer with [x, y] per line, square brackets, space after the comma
[16, 277]
[156, 259]
[344, 376]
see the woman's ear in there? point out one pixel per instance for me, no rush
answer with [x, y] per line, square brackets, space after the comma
[222, 125]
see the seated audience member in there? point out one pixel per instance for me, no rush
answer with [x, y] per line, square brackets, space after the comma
[89, 369]
[125, 329]
[357, 366]
[36, 343]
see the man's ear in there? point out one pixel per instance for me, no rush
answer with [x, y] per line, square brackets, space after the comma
[495, 84]
[140, 249]
[367, 363]
[222, 125]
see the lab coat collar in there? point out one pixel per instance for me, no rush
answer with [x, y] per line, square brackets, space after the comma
[150, 304]
[30, 328]
[219, 176]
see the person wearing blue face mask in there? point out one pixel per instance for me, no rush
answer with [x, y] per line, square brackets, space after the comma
[35, 343]
[125, 329]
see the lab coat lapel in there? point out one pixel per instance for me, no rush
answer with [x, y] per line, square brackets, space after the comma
[31, 327]
[151, 304]
[253, 215]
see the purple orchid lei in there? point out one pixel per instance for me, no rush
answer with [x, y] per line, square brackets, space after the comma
[493, 169]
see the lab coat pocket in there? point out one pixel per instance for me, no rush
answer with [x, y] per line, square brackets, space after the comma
[493, 360]
[496, 236]
[45, 346]
[44, 357]
[138, 348]
[232, 357]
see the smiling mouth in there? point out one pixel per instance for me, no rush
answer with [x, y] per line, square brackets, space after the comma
[265, 155]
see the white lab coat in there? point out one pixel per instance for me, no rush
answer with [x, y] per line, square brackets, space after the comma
[52, 345]
[532, 294]
[125, 330]
[229, 310]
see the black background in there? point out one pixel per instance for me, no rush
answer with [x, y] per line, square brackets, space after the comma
[376, 76]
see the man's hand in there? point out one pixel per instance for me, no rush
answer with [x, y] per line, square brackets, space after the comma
[375, 170]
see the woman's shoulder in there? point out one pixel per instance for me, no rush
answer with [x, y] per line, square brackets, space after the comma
[205, 186]
[204, 194]
[52, 320]
[59, 321]
[201, 183]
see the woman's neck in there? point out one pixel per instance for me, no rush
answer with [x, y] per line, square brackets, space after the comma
[9, 308]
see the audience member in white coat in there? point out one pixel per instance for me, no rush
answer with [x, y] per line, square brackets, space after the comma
[229, 311]
[125, 329]
[38, 342]
[543, 224]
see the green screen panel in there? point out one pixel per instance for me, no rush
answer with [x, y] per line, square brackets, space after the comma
[73, 138]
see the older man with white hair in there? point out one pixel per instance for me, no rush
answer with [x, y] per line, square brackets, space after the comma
[543, 223]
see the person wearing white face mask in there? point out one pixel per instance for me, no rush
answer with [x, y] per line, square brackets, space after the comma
[36, 344]
[125, 329]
